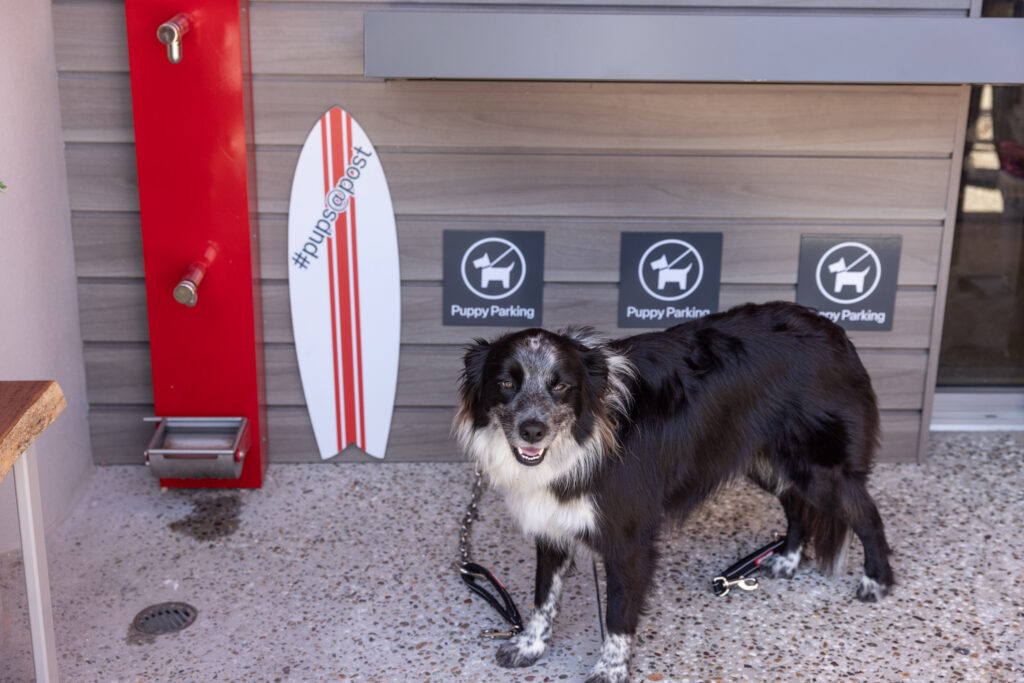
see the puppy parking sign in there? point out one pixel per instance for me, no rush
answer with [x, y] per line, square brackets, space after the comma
[493, 278]
[666, 279]
[850, 279]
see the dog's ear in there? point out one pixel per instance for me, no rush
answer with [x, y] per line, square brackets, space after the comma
[473, 372]
[595, 362]
[592, 407]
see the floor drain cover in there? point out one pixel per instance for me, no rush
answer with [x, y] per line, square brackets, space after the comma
[166, 617]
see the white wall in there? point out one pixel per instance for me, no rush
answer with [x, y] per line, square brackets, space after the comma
[40, 336]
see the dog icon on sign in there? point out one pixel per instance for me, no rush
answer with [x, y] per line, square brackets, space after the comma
[667, 274]
[678, 266]
[848, 265]
[490, 271]
[846, 276]
[495, 278]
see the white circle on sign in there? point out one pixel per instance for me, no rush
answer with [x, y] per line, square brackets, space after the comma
[499, 269]
[844, 276]
[682, 278]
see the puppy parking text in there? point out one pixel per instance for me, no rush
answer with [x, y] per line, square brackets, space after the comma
[666, 313]
[494, 312]
[848, 315]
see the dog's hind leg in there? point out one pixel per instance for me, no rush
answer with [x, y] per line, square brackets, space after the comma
[839, 501]
[860, 512]
[785, 562]
[553, 563]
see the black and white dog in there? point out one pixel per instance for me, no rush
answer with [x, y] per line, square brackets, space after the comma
[592, 440]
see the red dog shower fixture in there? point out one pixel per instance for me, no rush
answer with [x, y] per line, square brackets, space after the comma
[191, 102]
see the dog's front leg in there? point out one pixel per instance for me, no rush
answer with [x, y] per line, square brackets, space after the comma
[526, 648]
[629, 578]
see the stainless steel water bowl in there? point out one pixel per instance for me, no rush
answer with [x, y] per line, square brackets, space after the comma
[198, 447]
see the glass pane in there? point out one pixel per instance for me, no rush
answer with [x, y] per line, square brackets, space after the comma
[983, 336]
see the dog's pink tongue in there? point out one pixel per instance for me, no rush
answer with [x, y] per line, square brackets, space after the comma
[530, 452]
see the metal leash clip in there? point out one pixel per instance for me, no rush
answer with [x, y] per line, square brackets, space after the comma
[738, 574]
[722, 585]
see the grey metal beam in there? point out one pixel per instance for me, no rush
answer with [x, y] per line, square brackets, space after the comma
[650, 47]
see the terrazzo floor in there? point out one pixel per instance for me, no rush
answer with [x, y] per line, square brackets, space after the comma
[344, 572]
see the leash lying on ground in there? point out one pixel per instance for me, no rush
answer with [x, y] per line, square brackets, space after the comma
[738, 575]
[471, 571]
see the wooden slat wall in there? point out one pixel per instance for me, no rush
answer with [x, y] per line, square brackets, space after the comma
[583, 161]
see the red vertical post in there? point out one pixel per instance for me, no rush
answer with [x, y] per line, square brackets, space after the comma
[197, 190]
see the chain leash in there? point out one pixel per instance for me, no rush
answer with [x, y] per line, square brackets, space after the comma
[471, 571]
[471, 515]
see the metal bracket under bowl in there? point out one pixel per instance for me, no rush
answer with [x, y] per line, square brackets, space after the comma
[198, 447]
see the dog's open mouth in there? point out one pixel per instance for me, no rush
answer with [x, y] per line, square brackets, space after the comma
[528, 455]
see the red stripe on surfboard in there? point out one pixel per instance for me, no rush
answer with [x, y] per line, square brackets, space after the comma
[355, 407]
[358, 331]
[334, 348]
[340, 282]
[341, 154]
[325, 148]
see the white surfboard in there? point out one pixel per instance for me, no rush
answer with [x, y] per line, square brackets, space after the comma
[344, 286]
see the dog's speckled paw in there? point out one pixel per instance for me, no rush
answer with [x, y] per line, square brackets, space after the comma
[520, 652]
[613, 667]
[784, 566]
[618, 676]
[870, 590]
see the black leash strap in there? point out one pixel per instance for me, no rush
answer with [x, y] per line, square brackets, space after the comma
[471, 572]
[738, 575]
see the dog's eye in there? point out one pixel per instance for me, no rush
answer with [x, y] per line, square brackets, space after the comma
[507, 384]
[560, 387]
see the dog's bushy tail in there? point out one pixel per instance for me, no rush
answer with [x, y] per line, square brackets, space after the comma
[828, 536]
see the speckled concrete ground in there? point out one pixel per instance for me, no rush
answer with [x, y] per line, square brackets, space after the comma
[344, 573]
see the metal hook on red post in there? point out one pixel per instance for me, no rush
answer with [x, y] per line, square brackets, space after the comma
[187, 290]
[170, 34]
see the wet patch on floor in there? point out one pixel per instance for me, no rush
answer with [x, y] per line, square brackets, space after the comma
[211, 517]
[137, 637]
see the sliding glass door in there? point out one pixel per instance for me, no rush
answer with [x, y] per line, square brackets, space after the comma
[983, 336]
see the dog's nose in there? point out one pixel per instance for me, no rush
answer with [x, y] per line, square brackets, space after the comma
[532, 431]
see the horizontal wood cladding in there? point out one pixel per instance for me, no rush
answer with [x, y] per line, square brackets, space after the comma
[309, 38]
[109, 246]
[96, 107]
[428, 376]
[624, 117]
[102, 178]
[90, 36]
[119, 436]
[116, 312]
[601, 185]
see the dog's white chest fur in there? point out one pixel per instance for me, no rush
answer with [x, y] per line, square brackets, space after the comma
[527, 490]
[540, 513]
